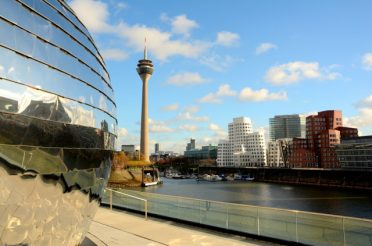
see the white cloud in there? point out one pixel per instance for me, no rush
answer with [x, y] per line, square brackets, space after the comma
[210, 98]
[225, 91]
[186, 78]
[247, 94]
[171, 107]
[217, 62]
[121, 5]
[367, 102]
[160, 43]
[114, 54]
[214, 127]
[182, 25]
[159, 126]
[217, 130]
[265, 47]
[363, 119]
[190, 117]
[293, 72]
[215, 97]
[191, 108]
[227, 38]
[367, 61]
[122, 132]
[189, 128]
[94, 15]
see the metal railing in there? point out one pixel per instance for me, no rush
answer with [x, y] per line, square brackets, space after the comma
[290, 225]
[127, 195]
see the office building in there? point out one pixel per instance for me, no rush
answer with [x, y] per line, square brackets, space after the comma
[355, 153]
[278, 152]
[157, 148]
[287, 126]
[324, 131]
[244, 147]
[191, 145]
[206, 152]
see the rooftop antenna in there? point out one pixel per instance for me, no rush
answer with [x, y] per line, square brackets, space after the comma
[145, 51]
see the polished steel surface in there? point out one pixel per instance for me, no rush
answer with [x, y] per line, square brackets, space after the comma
[19, 99]
[13, 12]
[36, 211]
[57, 124]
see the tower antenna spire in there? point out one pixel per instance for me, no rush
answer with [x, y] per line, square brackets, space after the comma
[145, 51]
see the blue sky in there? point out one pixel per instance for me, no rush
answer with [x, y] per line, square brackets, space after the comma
[215, 60]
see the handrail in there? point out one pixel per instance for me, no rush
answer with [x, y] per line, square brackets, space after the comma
[260, 207]
[131, 196]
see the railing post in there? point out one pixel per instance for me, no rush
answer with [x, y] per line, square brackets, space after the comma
[110, 199]
[258, 222]
[343, 230]
[200, 218]
[145, 209]
[227, 217]
[296, 227]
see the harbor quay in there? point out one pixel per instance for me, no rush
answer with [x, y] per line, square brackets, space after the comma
[354, 178]
[283, 226]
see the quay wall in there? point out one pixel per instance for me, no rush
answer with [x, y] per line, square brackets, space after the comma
[355, 179]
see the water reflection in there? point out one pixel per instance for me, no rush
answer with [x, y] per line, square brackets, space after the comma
[354, 203]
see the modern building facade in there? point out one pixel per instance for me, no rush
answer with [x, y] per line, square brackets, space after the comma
[157, 148]
[355, 153]
[324, 132]
[206, 152]
[191, 145]
[287, 126]
[278, 152]
[244, 147]
[301, 156]
[145, 69]
[130, 151]
[57, 124]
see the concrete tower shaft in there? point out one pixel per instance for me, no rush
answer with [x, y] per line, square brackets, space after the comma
[145, 68]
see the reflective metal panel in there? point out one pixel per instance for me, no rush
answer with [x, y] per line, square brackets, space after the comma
[68, 14]
[36, 211]
[29, 45]
[26, 71]
[57, 125]
[19, 99]
[13, 11]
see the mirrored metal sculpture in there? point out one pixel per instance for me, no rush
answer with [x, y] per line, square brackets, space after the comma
[57, 124]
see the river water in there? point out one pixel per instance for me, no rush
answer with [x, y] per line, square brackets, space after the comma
[354, 203]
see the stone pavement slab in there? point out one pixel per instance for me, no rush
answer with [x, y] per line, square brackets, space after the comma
[124, 228]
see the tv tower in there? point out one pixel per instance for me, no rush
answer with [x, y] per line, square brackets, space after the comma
[145, 68]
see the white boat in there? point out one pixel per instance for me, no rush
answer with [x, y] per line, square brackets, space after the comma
[230, 178]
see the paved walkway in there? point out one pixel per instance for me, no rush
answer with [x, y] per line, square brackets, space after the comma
[124, 228]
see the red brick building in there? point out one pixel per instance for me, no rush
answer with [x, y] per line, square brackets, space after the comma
[301, 155]
[323, 132]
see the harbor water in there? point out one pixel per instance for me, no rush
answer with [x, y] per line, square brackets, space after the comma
[328, 200]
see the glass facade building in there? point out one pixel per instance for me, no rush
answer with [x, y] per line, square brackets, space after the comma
[355, 153]
[287, 126]
[58, 124]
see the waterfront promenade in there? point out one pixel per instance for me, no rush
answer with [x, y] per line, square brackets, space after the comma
[124, 228]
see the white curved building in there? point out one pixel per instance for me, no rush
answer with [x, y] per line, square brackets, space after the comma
[244, 148]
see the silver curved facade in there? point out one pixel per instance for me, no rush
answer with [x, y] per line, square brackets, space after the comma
[57, 124]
